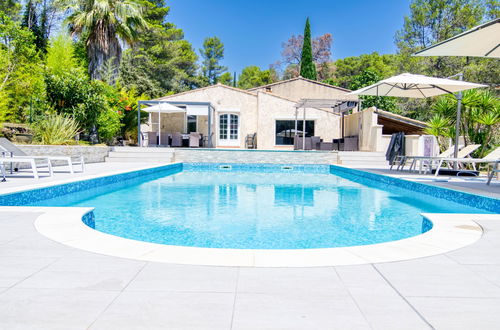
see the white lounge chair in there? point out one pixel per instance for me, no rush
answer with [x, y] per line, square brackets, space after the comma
[30, 161]
[402, 160]
[491, 158]
[495, 168]
[16, 153]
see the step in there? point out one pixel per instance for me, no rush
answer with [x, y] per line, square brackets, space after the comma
[367, 159]
[143, 150]
[143, 155]
[136, 160]
[365, 163]
[361, 153]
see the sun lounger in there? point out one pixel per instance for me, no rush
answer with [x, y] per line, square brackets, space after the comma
[30, 161]
[18, 154]
[491, 158]
[430, 161]
[402, 160]
[494, 170]
[2, 169]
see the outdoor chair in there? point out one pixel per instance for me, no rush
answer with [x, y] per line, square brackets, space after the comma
[402, 160]
[18, 154]
[491, 158]
[194, 140]
[326, 145]
[176, 140]
[205, 141]
[164, 139]
[30, 161]
[315, 141]
[351, 143]
[250, 141]
[152, 139]
[429, 161]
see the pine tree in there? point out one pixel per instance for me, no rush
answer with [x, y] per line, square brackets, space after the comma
[307, 66]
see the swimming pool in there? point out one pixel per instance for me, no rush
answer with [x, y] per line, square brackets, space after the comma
[258, 207]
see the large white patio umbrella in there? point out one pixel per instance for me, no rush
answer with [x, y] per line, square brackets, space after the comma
[420, 86]
[481, 41]
[163, 108]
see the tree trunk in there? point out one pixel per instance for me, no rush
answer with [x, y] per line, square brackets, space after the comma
[103, 48]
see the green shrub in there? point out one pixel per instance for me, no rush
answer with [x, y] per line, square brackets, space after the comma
[56, 129]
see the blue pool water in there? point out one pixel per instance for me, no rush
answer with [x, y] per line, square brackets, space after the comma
[248, 209]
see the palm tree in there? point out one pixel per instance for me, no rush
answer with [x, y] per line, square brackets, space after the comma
[103, 23]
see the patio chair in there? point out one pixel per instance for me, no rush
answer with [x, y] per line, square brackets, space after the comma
[491, 158]
[18, 154]
[351, 143]
[152, 139]
[177, 139]
[250, 141]
[326, 146]
[194, 140]
[315, 141]
[164, 139]
[206, 140]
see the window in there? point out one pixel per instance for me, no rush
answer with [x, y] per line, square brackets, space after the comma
[223, 127]
[285, 130]
[191, 124]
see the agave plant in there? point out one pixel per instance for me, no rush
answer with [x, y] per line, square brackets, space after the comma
[56, 129]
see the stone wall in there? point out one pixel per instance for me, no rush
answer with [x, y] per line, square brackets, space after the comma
[91, 154]
[254, 156]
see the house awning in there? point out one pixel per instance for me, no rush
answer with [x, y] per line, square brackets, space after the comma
[393, 123]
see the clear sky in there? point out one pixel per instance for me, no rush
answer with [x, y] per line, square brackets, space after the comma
[253, 30]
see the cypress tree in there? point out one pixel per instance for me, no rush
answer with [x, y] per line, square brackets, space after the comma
[307, 66]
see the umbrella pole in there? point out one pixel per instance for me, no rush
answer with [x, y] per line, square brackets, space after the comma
[304, 131]
[159, 127]
[457, 124]
[296, 145]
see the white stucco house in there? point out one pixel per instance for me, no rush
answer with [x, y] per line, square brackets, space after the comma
[268, 111]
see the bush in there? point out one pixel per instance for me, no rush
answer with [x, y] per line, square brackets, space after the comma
[56, 130]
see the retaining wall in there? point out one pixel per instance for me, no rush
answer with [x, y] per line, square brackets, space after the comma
[91, 154]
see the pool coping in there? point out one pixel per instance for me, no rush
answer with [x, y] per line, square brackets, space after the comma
[65, 225]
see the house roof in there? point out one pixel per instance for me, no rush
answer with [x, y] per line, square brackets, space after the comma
[205, 88]
[303, 79]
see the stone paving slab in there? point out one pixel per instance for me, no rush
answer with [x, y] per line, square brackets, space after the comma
[47, 285]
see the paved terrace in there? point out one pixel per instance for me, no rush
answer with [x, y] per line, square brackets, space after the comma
[46, 285]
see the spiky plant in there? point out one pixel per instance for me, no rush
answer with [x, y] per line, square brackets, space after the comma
[56, 130]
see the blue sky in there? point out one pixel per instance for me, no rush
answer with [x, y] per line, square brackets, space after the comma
[253, 31]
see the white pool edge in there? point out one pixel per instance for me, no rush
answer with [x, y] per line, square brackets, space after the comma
[65, 225]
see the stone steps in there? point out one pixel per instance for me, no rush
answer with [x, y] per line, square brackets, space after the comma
[141, 155]
[360, 158]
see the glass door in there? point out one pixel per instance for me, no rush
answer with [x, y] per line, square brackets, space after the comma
[229, 125]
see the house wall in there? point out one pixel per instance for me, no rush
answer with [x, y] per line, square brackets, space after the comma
[300, 89]
[272, 108]
[222, 99]
[364, 125]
